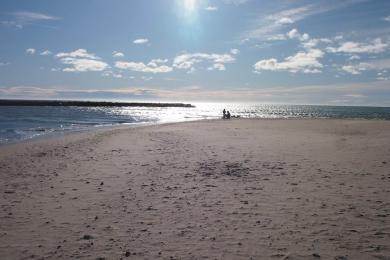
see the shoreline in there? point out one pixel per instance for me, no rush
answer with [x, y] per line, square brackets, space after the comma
[93, 129]
[64, 133]
[213, 189]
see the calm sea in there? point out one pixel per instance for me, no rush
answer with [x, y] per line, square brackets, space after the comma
[22, 123]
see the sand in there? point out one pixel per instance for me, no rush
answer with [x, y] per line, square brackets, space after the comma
[222, 189]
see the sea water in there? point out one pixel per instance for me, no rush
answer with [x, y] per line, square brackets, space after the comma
[18, 123]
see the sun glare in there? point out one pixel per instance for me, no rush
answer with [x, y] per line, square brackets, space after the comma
[190, 5]
[187, 10]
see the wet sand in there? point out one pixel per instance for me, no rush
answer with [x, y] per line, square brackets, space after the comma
[223, 189]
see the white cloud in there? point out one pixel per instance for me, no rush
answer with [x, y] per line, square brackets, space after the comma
[353, 69]
[110, 73]
[293, 33]
[46, 53]
[211, 8]
[234, 51]
[155, 62]
[285, 20]
[358, 68]
[276, 37]
[291, 15]
[354, 95]
[30, 51]
[235, 2]
[81, 61]
[141, 41]
[159, 60]
[387, 18]
[354, 57]
[80, 53]
[306, 62]
[382, 78]
[305, 37]
[265, 25]
[306, 41]
[326, 40]
[12, 24]
[83, 65]
[375, 46]
[188, 60]
[217, 66]
[117, 54]
[22, 18]
[151, 67]
[32, 16]
[310, 43]
[245, 40]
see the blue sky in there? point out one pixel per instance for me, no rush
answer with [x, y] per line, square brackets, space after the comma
[280, 51]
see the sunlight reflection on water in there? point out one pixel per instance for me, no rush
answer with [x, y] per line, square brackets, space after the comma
[19, 123]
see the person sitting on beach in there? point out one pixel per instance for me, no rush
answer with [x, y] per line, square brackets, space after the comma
[228, 115]
[224, 113]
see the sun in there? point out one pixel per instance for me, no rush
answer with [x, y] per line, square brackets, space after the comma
[190, 5]
[188, 11]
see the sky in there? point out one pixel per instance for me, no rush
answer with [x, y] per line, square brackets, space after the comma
[278, 51]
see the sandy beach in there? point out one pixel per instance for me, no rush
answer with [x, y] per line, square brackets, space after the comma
[218, 189]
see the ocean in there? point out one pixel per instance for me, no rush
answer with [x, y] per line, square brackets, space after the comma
[18, 123]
